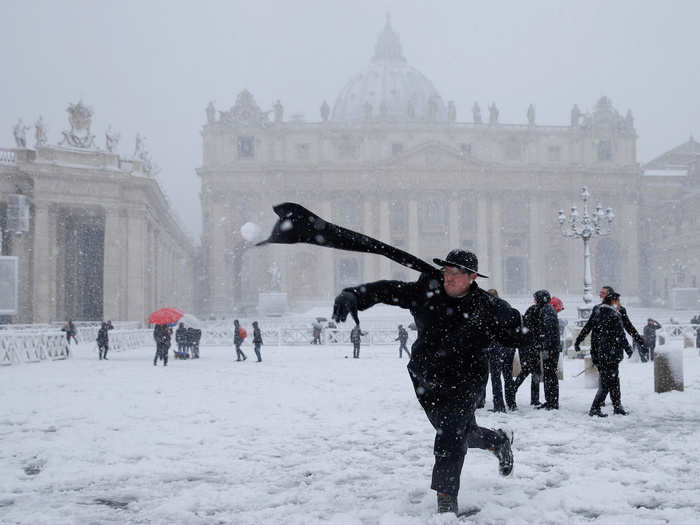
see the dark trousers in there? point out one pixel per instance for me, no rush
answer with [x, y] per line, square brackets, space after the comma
[501, 364]
[529, 364]
[356, 350]
[451, 412]
[103, 351]
[551, 381]
[609, 383]
[240, 356]
[257, 351]
[402, 347]
[161, 353]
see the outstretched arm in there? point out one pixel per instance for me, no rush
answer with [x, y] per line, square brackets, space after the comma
[397, 293]
[630, 329]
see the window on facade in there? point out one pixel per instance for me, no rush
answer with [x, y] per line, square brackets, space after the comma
[396, 149]
[303, 151]
[465, 149]
[513, 243]
[604, 150]
[432, 215]
[515, 215]
[466, 218]
[397, 216]
[554, 153]
[246, 147]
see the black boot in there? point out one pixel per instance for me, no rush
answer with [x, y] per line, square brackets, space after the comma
[504, 453]
[446, 503]
[620, 411]
[596, 412]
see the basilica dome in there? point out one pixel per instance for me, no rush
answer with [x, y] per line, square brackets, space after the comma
[389, 89]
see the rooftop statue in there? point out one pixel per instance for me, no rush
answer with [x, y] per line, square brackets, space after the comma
[211, 113]
[40, 132]
[531, 115]
[325, 111]
[80, 118]
[575, 116]
[476, 113]
[20, 133]
[493, 114]
[278, 110]
[111, 139]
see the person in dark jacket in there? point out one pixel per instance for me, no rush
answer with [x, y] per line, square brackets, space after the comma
[356, 338]
[194, 335]
[71, 334]
[650, 337]
[456, 321]
[257, 340]
[238, 341]
[610, 342]
[402, 339]
[103, 339]
[181, 341]
[626, 323]
[501, 364]
[529, 356]
[161, 334]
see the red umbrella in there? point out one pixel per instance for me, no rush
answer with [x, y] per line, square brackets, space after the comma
[165, 316]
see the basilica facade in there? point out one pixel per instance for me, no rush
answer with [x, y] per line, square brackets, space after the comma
[392, 158]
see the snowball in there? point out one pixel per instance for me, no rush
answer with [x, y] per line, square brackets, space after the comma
[250, 231]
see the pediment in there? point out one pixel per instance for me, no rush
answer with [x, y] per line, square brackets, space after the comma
[433, 155]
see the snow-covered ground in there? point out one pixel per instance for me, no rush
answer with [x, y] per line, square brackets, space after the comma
[310, 437]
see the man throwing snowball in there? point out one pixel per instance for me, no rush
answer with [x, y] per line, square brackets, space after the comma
[456, 320]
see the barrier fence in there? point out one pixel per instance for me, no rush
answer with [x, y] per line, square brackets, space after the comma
[48, 343]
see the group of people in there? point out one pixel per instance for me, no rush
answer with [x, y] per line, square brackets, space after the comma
[466, 334]
[187, 340]
[240, 334]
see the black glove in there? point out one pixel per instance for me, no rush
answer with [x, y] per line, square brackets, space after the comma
[577, 348]
[345, 303]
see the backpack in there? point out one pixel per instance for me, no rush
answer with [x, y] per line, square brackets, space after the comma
[242, 332]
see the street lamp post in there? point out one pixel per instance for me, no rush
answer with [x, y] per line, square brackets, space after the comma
[589, 226]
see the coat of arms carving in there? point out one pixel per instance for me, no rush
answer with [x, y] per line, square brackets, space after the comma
[80, 118]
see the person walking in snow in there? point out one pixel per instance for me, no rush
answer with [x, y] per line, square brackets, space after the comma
[238, 340]
[181, 341]
[103, 339]
[501, 365]
[257, 340]
[356, 338]
[608, 333]
[402, 339]
[456, 321]
[161, 335]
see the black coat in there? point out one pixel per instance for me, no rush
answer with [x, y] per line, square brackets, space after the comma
[608, 337]
[257, 336]
[403, 335]
[626, 324]
[650, 334]
[103, 336]
[453, 332]
[181, 335]
[161, 334]
[542, 329]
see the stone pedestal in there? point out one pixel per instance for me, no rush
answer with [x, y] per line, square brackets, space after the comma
[272, 304]
[591, 376]
[584, 312]
[668, 370]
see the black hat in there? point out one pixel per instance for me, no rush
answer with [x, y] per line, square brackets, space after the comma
[463, 260]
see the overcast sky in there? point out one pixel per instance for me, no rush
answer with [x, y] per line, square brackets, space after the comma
[152, 66]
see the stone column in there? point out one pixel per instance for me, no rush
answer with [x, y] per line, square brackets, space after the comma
[137, 250]
[496, 263]
[385, 236]
[326, 281]
[369, 227]
[21, 247]
[535, 257]
[453, 225]
[41, 256]
[629, 246]
[482, 233]
[413, 233]
[113, 247]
